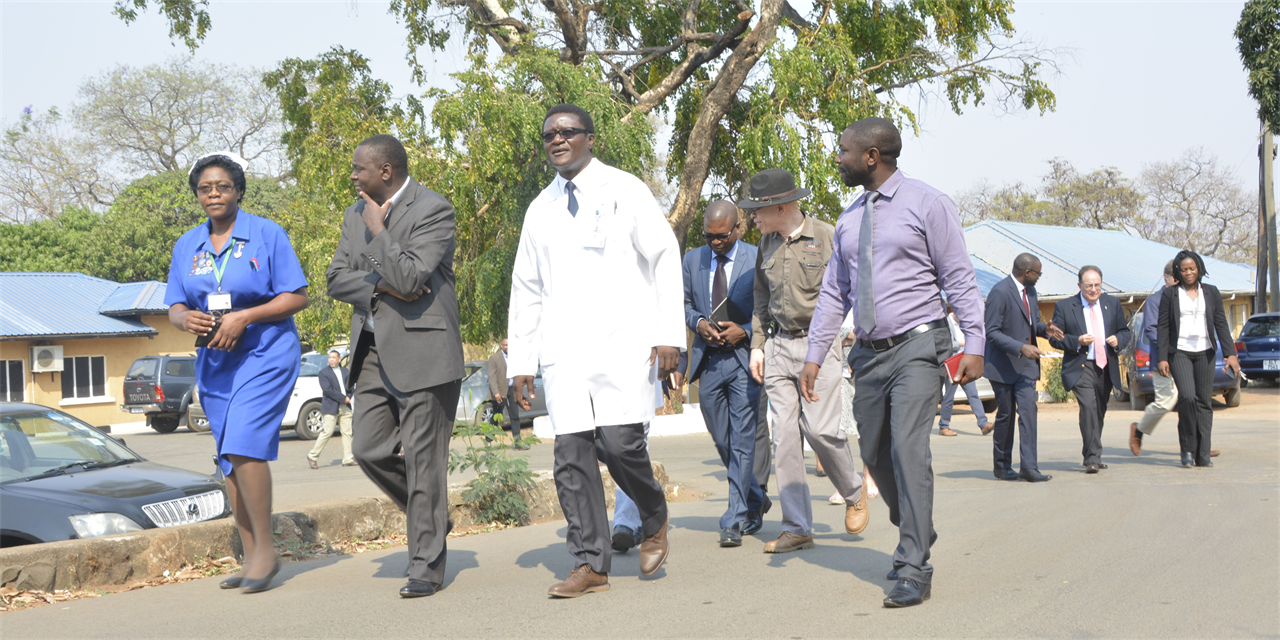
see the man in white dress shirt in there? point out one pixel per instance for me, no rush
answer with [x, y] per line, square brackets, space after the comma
[596, 300]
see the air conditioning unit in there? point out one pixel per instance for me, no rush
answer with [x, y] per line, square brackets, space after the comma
[46, 358]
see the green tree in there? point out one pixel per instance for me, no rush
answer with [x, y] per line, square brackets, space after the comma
[47, 245]
[1259, 34]
[1100, 199]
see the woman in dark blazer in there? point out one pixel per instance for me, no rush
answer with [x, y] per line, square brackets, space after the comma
[1192, 324]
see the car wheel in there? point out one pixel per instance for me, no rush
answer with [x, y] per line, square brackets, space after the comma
[1137, 400]
[310, 423]
[197, 424]
[1232, 397]
[164, 424]
[1120, 394]
[484, 413]
[989, 406]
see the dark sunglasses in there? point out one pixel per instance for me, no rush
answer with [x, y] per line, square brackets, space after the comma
[719, 237]
[566, 134]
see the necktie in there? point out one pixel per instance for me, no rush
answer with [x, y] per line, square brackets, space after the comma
[1099, 338]
[573, 201]
[866, 296]
[1031, 339]
[719, 287]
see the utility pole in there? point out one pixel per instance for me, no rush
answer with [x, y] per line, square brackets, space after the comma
[1260, 270]
[1268, 152]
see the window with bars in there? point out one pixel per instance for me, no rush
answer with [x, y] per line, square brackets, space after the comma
[12, 381]
[84, 377]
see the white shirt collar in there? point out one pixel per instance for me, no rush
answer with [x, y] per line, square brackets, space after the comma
[1021, 287]
[1085, 302]
[396, 198]
[585, 177]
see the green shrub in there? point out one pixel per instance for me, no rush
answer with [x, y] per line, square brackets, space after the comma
[502, 479]
[1053, 381]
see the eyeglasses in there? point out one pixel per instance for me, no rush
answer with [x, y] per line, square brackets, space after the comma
[1090, 287]
[1032, 271]
[717, 237]
[566, 134]
[206, 189]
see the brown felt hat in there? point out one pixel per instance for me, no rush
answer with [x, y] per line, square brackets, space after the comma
[770, 187]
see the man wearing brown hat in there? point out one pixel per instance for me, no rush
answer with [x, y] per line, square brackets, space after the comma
[792, 259]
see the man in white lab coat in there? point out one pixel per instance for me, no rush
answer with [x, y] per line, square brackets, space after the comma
[597, 301]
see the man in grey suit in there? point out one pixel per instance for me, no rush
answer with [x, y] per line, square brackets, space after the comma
[1012, 364]
[394, 264]
[501, 393]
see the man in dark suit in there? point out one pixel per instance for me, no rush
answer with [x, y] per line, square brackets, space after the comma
[1094, 335]
[394, 264]
[500, 392]
[722, 272]
[1012, 364]
[335, 410]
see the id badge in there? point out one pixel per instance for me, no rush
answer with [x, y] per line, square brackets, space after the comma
[219, 303]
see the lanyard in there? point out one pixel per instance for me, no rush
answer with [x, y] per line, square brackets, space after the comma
[218, 270]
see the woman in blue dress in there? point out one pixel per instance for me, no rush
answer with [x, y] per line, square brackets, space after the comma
[236, 282]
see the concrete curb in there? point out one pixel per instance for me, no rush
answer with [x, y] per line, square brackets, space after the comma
[132, 557]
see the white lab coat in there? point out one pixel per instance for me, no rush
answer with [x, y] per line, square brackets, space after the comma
[591, 296]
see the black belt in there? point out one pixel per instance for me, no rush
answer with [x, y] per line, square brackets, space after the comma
[885, 344]
[794, 333]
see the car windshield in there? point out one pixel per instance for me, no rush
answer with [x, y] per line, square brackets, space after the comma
[184, 368]
[38, 444]
[1262, 328]
[142, 370]
[312, 363]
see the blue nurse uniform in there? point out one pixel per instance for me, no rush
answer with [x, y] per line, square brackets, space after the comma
[243, 392]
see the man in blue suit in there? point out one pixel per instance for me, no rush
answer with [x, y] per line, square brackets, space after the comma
[1095, 334]
[1013, 366]
[723, 271]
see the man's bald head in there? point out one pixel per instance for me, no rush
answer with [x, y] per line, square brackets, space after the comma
[880, 134]
[720, 210]
[1026, 269]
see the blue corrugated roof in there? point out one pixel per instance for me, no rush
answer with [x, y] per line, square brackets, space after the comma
[1129, 264]
[988, 275]
[41, 305]
[135, 298]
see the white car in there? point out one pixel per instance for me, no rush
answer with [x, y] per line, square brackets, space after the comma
[303, 413]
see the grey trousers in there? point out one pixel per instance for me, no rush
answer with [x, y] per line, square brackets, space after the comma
[796, 419]
[420, 423]
[897, 391]
[1092, 390]
[581, 489]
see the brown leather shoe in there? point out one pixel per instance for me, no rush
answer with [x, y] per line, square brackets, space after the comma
[313, 463]
[856, 515]
[582, 581]
[946, 431]
[653, 550]
[988, 428]
[1135, 440]
[788, 542]
[1214, 453]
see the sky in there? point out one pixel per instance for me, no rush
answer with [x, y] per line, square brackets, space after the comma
[1142, 82]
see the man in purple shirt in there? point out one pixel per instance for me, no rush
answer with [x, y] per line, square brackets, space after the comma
[914, 250]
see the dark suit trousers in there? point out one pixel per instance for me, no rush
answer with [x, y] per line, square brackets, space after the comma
[513, 413]
[581, 489]
[1017, 399]
[763, 463]
[896, 392]
[420, 422]
[1193, 374]
[1092, 390]
[729, 397]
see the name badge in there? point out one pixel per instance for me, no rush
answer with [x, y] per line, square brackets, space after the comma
[219, 302]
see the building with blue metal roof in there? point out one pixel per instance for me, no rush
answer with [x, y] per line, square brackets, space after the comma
[67, 340]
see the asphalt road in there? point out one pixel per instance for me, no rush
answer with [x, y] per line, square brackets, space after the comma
[1144, 549]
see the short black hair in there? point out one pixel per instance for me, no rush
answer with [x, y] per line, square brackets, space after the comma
[1183, 255]
[880, 133]
[222, 162]
[1024, 262]
[336, 351]
[587, 122]
[1085, 269]
[387, 149]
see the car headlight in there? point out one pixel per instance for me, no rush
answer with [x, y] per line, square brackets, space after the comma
[92, 525]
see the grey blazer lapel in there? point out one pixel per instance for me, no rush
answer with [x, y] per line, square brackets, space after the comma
[397, 217]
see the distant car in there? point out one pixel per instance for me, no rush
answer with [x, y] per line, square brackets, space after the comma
[1136, 364]
[160, 387]
[474, 405]
[196, 419]
[985, 393]
[61, 479]
[303, 412]
[1259, 347]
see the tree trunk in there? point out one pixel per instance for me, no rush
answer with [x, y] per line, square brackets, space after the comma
[714, 107]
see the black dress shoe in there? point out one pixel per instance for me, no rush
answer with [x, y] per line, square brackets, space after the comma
[752, 524]
[623, 539]
[418, 589]
[1102, 465]
[1206, 463]
[907, 593]
[1033, 475]
[1005, 474]
[261, 584]
[768, 504]
[230, 583]
[1092, 467]
[730, 537]
[1188, 461]
[893, 574]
